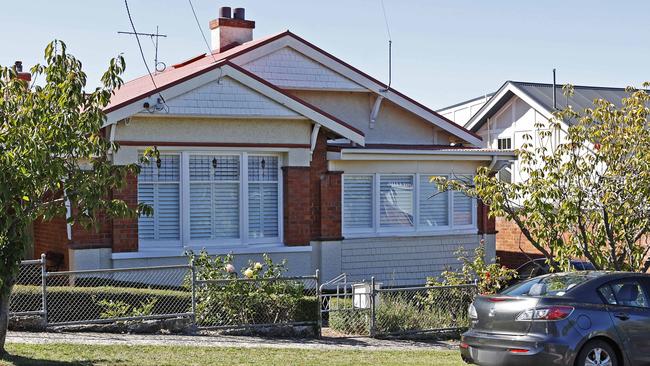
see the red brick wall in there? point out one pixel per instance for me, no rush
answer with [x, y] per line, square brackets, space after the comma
[513, 249]
[318, 168]
[297, 205]
[330, 219]
[94, 237]
[486, 224]
[125, 231]
[51, 236]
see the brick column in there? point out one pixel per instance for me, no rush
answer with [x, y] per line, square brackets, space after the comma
[486, 224]
[318, 168]
[125, 231]
[297, 205]
[330, 221]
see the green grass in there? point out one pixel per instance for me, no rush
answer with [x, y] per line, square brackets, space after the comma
[68, 355]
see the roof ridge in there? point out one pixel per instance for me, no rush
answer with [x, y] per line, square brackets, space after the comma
[562, 85]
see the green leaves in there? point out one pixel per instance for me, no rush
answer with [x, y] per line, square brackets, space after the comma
[53, 149]
[587, 196]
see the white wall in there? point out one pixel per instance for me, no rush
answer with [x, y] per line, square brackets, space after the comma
[516, 120]
[463, 112]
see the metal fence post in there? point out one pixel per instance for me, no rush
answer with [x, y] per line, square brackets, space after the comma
[318, 305]
[372, 306]
[44, 287]
[193, 270]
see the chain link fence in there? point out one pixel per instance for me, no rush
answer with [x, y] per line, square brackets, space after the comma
[165, 292]
[109, 295]
[414, 310]
[367, 309]
[27, 297]
[244, 303]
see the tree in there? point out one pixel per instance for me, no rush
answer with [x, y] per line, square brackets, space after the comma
[53, 150]
[588, 196]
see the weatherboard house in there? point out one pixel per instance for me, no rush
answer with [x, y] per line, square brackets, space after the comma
[517, 114]
[275, 146]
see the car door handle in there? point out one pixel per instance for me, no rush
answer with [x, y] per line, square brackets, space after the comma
[622, 316]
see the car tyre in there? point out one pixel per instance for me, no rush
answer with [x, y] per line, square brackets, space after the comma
[597, 353]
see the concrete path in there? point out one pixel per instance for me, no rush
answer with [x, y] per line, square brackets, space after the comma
[361, 343]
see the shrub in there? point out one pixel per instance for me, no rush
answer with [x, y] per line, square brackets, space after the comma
[490, 278]
[269, 300]
[344, 318]
[120, 309]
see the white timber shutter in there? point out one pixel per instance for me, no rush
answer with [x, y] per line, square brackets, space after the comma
[159, 187]
[263, 197]
[463, 205]
[214, 196]
[357, 202]
[434, 205]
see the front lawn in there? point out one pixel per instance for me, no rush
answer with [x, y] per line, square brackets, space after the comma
[69, 355]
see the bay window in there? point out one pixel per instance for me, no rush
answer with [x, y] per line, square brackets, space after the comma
[402, 203]
[210, 199]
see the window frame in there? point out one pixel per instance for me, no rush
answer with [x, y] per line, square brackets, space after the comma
[504, 139]
[185, 241]
[417, 229]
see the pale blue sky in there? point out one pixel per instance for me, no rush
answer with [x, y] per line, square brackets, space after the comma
[443, 51]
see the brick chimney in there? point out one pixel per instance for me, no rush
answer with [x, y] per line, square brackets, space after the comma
[228, 32]
[18, 67]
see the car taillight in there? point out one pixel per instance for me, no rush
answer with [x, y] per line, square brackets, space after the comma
[546, 313]
[472, 312]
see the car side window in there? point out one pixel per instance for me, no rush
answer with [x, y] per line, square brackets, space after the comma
[624, 293]
[608, 294]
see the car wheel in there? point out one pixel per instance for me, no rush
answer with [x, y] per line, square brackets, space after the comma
[597, 353]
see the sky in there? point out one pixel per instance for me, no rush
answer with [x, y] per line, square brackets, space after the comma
[444, 52]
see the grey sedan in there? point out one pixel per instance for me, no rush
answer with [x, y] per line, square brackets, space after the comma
[582, 318]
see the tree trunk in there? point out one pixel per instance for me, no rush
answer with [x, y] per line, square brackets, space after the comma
[5, 294]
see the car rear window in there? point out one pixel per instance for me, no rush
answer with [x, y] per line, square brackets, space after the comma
[552, 285]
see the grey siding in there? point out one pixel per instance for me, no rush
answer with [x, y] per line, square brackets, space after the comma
[399, 261]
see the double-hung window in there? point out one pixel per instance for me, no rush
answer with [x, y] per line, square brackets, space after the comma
[211, 199]
[383, 204]
[159, 187]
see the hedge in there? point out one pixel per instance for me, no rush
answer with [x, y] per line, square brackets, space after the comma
[67, 303]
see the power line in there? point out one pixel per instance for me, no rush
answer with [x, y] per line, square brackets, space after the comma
[144, 59]
[198, 24]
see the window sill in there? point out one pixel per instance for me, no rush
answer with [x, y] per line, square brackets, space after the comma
[214, 250]
[396, 234]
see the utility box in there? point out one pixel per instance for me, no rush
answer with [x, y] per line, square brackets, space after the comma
[361, 295]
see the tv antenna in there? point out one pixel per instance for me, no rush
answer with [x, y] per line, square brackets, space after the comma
[390, 48]
[159, 66]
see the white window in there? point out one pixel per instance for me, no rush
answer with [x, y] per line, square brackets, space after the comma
[396, 201]
[357, 202]
[263, 201]
[159, 187]
[214, 196]
[464, 211]
[229, 199]
[384, 204]
[434, 205]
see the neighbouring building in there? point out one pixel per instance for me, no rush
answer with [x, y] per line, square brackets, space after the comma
[273, 145]
[505, 117]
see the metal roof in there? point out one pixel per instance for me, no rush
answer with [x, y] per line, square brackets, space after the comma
[583, 97]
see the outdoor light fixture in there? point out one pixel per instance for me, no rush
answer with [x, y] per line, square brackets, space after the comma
[214, 163]
[263, 163]
[158, 162]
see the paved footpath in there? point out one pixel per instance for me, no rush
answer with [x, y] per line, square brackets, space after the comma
[361, 343]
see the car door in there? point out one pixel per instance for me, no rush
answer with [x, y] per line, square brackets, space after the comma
[630, 312]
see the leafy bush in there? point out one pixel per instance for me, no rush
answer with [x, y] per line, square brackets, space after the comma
[68, 303]
[344, 318]
[490, 278]
[264, 299]
[120, 309]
